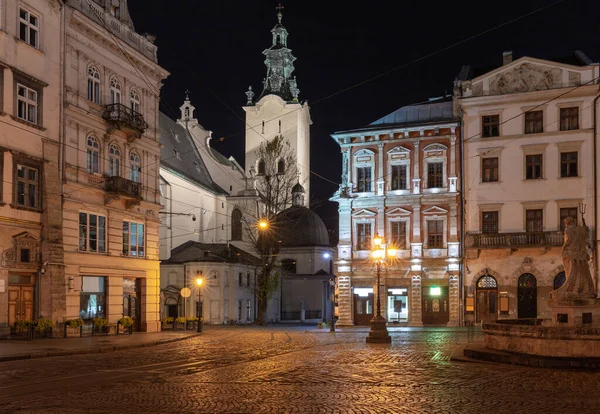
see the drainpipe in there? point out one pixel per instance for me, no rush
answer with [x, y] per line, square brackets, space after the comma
[594, 188]
[461, 249]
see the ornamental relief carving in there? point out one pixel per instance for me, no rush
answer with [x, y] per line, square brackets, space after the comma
[11, 257]
[525, 77]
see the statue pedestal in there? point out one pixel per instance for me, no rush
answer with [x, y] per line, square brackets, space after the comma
[575, 313]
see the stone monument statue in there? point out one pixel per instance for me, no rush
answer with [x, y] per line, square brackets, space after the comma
[579, 283]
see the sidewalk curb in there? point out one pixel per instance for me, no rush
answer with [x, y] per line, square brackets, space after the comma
[91, 350]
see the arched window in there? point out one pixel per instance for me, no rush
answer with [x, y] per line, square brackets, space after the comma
[236, 225]
[93, 155]
[135, 167]
[281, 167]
[288, 265]
[115, 91]
[527, 280]
[134, 99]
[559, 280]
[261, 168]
[487, 282]
[94, 84]
[114, 160]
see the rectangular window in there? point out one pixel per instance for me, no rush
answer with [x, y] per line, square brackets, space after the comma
[133, 239]
[567, 212]
[240, 279]
[534, 122]
[533, 167]
[27, 104]
[435, 174]
[92, 298]
[363, 179]
[534, 221]
[92, 233]
[489, 222]
[29, 27]
[399, 177]
[363, 236]
[489, 170]
[435, 234]
[569, 118]
[568, 164]
[490, 126]
[27, 186]
[248, 279]
[398, 234]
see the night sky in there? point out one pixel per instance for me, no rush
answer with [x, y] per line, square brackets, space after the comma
[353, 63]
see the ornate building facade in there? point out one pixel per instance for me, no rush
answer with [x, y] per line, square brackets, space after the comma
[529, 140]
[30, 192]
[111, 167]
[400, 180]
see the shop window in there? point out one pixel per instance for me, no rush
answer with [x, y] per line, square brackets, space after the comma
[92, 298]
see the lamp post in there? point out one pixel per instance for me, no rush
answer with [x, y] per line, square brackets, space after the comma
[332, 300]
[380, 253]
[199, 282]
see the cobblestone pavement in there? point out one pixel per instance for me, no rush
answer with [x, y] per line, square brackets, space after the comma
[292, 370]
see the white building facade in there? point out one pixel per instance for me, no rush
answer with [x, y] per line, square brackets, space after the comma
[400, 180]
[529, 146]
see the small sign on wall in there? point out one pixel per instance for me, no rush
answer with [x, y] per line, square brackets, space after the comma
[2, 285]
[470, 304]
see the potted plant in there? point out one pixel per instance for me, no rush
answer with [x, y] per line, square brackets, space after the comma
[127, 323]
[73, 327]
[167, 321]
[22, 327]
[191, 323]
[43, 327]
[100, 325]
[180, 322]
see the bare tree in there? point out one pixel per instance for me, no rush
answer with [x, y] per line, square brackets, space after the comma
[276, 175]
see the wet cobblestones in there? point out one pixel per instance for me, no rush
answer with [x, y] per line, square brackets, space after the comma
[290, 370]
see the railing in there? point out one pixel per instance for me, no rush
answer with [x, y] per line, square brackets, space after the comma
[119, 116]
[123, 186]
[290, 315]
[500, 240]
[312, 314]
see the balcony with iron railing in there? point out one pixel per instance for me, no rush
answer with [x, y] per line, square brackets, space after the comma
[124, 118]
[513, 240]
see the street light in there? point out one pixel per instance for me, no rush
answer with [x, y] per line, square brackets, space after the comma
[263, 224]
[199, 282]
[380, 253]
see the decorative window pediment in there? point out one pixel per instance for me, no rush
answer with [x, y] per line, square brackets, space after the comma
[24, 252]
[363, 213]
[398, 211]
[435, 210]
[363, 152]
[398, 149]
[435, 147]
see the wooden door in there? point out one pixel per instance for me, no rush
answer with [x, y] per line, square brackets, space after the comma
[527, 296]
[435, 307]
[20, 304]
[487, 305]
[363, 309]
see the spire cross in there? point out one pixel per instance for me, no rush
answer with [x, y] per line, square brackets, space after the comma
[187, 94]
[279, 10]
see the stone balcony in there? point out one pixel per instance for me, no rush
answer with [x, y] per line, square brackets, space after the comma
[125, 119]
[513, 240]
[117, 187]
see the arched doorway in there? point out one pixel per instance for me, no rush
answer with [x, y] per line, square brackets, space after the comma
[527, 296]
[559, 280]
[487, 299]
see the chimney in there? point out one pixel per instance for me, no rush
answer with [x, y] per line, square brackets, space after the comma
[506, 57]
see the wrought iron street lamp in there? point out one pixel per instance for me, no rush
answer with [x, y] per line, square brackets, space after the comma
[380, 253]
[199, 282]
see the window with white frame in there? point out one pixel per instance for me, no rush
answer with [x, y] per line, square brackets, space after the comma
[134, 99]
[27, 103]
[398, 234]
[363, 236]
[364, 162]
[29, 27]
[93, 155]
[399, 168]
[135, 167]
[93, 84]
[435, 165]
[399, 177]
[114, 160]
[435, 174]
[363, 179]
[115, 91]
[533, 161]
[92, 233]
[133, 239]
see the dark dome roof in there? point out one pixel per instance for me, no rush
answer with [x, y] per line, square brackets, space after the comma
[298, 188]
[298, 226]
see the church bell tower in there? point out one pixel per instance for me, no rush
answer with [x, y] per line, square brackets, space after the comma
[278, 110]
